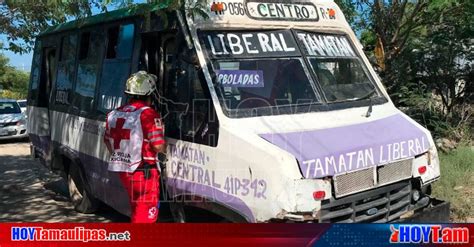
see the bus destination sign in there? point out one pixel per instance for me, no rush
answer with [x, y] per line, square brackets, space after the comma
[282, 11]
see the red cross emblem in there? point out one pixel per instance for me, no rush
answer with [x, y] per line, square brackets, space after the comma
[119, 133]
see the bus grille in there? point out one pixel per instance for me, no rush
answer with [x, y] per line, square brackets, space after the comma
[354, 182]
[369, 178]
[395, 171]
[382, 204]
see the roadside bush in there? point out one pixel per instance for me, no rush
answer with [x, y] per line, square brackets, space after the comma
[423, 105]
[7, 94]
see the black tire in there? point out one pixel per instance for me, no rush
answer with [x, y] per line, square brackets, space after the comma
[79, 193]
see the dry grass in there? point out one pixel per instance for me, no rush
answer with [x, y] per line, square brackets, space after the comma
[457, 183]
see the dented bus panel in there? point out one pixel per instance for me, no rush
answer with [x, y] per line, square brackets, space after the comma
[272, 113]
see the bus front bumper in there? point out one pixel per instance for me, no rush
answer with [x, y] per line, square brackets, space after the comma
[404, 201]
[431, 211]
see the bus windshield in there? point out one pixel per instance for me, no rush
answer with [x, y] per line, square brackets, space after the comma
[340, 72]
[258, 69]
[251, 83]
[264, 69]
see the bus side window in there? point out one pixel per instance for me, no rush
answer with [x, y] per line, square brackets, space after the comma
[47, 77]
[116, 67]
[66, 70]
[43, 74]
[90, 51]
[120, 41]
[191, 116]
[200, 123]
[35, 74]
[149, 54]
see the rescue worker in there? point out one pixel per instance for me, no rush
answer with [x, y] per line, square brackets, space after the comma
[134, 136]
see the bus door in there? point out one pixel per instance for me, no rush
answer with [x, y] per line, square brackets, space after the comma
[156, 57]
[187, 107]
[173, 108]
[48, 75]
[39, 121]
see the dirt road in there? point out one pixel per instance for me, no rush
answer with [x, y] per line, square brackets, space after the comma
[30, 193]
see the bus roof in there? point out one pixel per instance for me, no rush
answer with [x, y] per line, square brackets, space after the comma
[104, 17]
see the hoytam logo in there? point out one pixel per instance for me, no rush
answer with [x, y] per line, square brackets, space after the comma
[429, 234]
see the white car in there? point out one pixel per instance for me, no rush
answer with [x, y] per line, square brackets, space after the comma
[12, 120]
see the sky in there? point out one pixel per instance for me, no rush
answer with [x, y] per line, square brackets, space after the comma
[22, 62]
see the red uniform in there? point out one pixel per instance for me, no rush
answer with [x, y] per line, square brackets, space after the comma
[131, 130]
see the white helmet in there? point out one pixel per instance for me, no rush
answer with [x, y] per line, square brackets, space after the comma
[141, 83]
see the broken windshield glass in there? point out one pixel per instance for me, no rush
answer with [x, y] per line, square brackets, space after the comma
[340, 72]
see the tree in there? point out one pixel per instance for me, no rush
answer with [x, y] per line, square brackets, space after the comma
[389, 27]
[446, 56]
[21, 21]
[423, 51]
[349, 9]
[14, 83]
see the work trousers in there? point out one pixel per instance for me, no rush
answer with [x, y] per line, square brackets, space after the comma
[143, 193]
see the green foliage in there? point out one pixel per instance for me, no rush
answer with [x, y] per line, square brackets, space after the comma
[13, 82]
[21, 21]
[7, 94]
[415, 101]
[349, 9]
[428, 59]
[448, 54]
[440, 61]
[368, 38]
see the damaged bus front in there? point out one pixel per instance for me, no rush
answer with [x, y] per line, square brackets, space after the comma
[272, 113]
[306, 130]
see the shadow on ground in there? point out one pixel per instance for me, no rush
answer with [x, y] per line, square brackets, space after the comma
[31, 193]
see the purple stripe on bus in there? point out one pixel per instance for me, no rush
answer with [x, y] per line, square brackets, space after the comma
[328, 152]
[178, 187]
[97, 172]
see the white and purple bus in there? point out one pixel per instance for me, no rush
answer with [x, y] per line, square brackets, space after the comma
[272, 113]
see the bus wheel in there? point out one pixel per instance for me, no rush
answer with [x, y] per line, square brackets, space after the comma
[80, 197]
